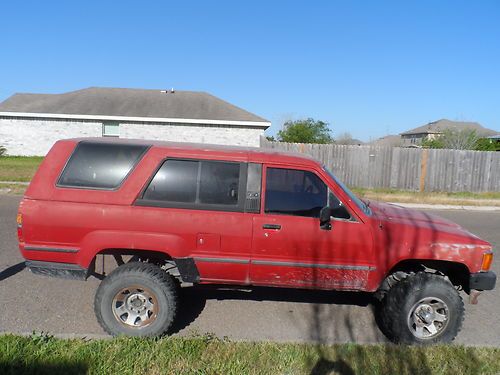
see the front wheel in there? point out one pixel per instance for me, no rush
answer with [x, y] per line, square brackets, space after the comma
[136, 299]
[423, 309]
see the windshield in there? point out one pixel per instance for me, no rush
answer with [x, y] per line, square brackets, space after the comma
[358, 202]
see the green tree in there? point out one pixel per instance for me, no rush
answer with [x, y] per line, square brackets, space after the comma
[3, 150]
[305, 131]
[433, 143]
[454, 139]
[485, 144]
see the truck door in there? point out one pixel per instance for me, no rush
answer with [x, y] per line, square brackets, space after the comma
[290, 249]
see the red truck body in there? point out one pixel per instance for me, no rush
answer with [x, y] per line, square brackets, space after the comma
[70, 226]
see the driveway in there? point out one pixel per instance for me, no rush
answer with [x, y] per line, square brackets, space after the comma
[64, 307]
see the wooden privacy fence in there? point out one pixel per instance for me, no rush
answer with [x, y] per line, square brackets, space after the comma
[405, 168]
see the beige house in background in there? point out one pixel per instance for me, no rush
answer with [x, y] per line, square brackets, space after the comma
[31, 123]
[387, 141]
[434, 129]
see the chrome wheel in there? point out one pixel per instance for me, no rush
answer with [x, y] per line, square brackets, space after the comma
[135, 306]
[428, 318]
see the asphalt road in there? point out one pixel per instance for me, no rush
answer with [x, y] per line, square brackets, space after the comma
[36, 303]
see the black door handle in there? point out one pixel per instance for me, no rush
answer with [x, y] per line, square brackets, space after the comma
[271, 226]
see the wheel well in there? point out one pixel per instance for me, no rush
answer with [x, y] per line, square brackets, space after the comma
[457, 273]
[106, 260]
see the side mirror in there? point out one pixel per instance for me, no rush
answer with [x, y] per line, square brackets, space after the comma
[335, 204]
[324, 218]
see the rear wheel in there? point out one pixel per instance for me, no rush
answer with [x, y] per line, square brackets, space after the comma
[136, 299]
[423, 308]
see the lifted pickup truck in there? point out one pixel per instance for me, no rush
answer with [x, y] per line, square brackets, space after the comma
[172, 213]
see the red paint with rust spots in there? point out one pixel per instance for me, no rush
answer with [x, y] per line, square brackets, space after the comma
[234, 247]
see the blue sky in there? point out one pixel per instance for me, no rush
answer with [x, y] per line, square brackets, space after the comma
[368, 68]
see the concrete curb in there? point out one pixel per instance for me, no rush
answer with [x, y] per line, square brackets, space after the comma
[15, 183]
[424, 206]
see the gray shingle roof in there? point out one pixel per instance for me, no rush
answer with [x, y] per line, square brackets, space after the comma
[444, 124]
[97, 101]
[387, 141]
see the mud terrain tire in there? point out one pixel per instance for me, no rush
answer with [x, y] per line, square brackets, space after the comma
[424, 309]
[136, 299]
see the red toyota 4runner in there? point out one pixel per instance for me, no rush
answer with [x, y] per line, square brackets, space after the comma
[171, 213]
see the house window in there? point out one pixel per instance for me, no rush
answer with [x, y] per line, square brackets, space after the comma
[110, 129]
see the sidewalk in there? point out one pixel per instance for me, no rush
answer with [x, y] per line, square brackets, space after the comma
[424, 206]
[14, 183]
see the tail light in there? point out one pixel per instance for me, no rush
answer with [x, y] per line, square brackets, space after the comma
[19, 220]
[487, 260]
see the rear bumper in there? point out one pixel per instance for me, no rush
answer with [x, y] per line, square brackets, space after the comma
[60, 270]
[482, 280]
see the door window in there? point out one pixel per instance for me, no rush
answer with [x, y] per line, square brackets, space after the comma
[294, 192]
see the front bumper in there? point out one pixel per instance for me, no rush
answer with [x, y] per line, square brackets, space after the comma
[482, 280]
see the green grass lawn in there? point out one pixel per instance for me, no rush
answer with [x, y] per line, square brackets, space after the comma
[18, 168]
[41, 354]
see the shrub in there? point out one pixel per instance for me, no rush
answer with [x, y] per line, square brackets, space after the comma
[305, 131]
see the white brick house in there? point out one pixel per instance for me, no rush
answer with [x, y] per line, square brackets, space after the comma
[31, 123]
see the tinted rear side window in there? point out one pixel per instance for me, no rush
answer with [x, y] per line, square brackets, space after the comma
[100, 165]
[197, 184]
[219, 182]
[175, 181]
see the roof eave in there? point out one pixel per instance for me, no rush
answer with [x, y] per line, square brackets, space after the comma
[262, 124]
[416, 133]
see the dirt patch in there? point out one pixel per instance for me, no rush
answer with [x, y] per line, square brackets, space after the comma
[12, 189]
[431, 199]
